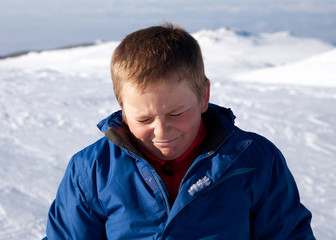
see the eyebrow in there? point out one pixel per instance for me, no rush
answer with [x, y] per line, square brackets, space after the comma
[181, 109]
[178, 109]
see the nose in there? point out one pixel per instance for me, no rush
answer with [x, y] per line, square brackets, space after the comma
[161, 127]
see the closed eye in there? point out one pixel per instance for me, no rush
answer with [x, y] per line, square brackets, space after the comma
[144, 120]
[176, 114]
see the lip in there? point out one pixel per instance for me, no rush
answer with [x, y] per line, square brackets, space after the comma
[165, 143]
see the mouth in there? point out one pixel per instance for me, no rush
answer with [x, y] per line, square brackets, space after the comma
[165, 143]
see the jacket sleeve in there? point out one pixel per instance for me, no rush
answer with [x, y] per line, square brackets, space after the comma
[72, 215]
[278, 213]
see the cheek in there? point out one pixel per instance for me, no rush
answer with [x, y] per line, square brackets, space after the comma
[191, 121]
[140, 132]
[187, 126]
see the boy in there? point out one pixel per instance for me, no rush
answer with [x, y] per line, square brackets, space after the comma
[171, 165]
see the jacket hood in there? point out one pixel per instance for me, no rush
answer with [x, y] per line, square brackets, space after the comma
[114, 120]
[219, 123]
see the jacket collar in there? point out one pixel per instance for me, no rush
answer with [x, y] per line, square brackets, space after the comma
[219, 123]
[117, 131]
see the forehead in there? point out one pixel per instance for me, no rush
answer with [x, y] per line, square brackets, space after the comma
[169, 82]
[163, 96]
[159, 88]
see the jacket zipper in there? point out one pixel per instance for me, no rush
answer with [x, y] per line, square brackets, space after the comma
[163, 190]
[160, 183]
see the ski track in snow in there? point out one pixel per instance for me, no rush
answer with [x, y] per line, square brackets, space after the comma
[49, 113]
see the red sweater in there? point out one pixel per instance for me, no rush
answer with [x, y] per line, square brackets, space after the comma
[173, 171]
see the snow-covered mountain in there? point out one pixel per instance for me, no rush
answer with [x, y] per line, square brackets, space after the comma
[278, 85]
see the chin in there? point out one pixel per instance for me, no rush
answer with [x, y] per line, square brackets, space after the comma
[169, 156]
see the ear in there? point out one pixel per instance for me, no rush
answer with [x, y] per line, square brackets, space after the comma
[206, 97]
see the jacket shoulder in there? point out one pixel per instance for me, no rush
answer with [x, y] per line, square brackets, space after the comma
[258, 151]
[89, 164]
[258, 142]
[92, 152]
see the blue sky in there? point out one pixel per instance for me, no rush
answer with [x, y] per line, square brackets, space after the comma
[42, 24]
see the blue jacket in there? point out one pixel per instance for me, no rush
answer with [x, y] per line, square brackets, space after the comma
[239, 187]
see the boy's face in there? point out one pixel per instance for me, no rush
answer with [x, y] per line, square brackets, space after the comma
[164, 119]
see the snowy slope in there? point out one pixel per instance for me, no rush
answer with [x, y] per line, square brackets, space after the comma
[314, 71]
[50, 103]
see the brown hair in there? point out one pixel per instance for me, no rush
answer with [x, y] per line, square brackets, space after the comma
[148, 55]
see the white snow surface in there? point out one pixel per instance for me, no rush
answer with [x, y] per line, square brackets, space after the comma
[278, 85]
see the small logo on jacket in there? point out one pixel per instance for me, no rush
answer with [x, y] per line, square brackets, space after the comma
[199, 185]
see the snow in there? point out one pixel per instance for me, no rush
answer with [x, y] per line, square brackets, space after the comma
[278, 85]
[313, 71]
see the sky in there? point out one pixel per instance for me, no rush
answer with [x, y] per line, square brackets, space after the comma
[40, 24]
